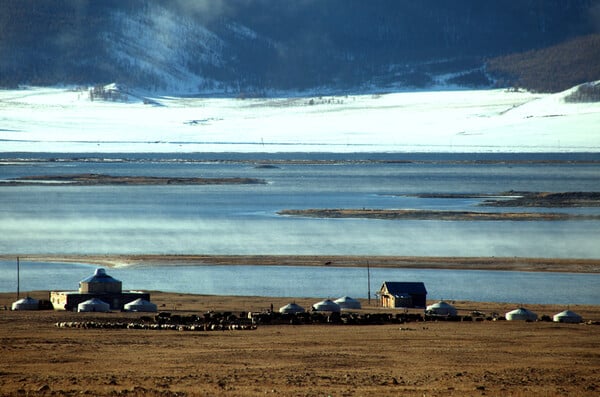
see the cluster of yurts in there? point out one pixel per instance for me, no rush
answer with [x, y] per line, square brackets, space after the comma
[327, 305]
[439, 309]
[344, 303]
[521, 314]
[90, 305]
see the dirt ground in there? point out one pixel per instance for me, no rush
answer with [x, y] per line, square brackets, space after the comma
[494, 358]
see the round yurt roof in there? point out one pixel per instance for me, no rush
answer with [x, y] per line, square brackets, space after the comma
[26, 303]
[326, 305]
[100, 276]
[521, 314]
[291, 308]
[140, 305]
[567, 316]
[345, 302]
[93, 305]
[442, 307]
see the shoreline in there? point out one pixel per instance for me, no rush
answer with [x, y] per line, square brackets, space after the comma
[276, 159]
[101, 179]
[521, 264]
[403, 214]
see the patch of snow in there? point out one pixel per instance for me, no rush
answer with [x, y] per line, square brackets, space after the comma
[242, 31]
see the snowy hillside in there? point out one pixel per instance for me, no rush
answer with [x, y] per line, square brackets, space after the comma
[257, 48]
[160, 45]
[62, 120]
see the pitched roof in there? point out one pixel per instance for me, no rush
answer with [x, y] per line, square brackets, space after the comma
[404, 287]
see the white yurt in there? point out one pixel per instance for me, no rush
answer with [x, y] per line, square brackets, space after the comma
[26, 304]
[441, 308]
[521, 314]
[291, 308]
[567, 316]
[140, 305]
[326, 306]
[93, 305]
[347, 303]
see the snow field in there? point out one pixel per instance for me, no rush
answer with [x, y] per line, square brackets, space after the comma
[65, 120]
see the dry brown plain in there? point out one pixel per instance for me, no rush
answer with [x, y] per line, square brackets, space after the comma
[496, 358]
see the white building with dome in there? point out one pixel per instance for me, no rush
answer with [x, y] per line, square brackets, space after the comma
[140, 305]
[567, 316]
[100, 286]
[291, 308]
[326, 305]
[93, 305]
[26, 303]
[441, 308]
[521, 314]
[347, 303]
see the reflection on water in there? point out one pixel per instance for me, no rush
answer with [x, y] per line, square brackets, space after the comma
[317, 282]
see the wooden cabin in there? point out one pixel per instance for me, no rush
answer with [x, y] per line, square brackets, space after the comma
[396, 294]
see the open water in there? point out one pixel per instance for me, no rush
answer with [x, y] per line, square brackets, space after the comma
[317, 282]
[242, 219]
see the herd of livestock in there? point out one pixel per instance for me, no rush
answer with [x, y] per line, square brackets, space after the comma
[221, 321]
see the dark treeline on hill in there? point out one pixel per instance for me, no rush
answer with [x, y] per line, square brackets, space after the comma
[253, 46]
[576, 61]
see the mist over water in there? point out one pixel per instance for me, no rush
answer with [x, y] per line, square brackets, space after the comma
[242, 219]
[271, 236]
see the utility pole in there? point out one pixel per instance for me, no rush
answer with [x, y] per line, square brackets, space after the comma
[18, 278]
[369, 282]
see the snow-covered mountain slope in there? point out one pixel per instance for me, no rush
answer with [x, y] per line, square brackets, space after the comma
[158, 47]
[257, 48]
[59, 120]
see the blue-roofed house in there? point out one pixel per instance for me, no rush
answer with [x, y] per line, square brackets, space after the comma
[403, 294]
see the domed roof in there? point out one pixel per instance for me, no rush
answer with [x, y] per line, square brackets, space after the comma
[326, 305]
[93, 305]
[100, 276]
[140, 305]
[26, 303]
[28, 300]
[567, 316]
[442, 308]
[291, 308]
[345, 302]
[521, 314]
